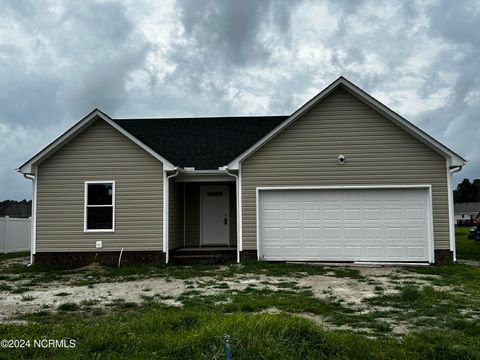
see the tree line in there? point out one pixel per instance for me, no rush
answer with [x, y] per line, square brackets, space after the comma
[467, 191]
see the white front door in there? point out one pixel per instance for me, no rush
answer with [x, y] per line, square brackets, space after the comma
[214, 215]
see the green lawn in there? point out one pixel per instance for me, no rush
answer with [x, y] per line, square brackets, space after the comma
[466, 249]
[13, 255]
[194, 332]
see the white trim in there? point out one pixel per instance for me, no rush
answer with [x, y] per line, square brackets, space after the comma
[227, 192]
[451, 221]
[85, 205]
[257, 218]
[26, 168]
[369, 100]
[326, 187]
[192, 171]
[165, 215]
[431, 238]
[431, 243]
[203, 178]
[238, 209]
[34, 212]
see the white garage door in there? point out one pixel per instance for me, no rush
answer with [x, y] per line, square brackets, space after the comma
[344, 225]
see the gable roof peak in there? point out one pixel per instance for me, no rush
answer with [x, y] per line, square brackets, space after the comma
[454, 159]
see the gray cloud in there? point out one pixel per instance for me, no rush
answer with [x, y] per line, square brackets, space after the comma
[58, 60]
[231, 29]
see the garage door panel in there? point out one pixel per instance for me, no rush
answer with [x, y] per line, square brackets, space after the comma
[312, 214]
[416, 251]
[333, 233]
[414, 214]
[373, 252]
[352, 214]
[373, 233]
[313, 233]
[332, 214]
[353, 233]
[313, 252]
[393, 214]
[338, 225]
[395, 251]
[292, 233]
[372, 214]
[272, 214]
[333, 252]
[353, 251]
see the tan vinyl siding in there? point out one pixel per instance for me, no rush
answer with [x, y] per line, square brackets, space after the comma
[100, 153]
[175, 210]
[377, 152]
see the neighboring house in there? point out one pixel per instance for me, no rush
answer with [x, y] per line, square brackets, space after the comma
[343, 178]
[466, 212]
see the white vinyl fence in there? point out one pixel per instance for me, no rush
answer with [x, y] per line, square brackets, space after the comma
[15, 234]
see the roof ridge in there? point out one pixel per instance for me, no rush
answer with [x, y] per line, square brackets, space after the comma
[206, 117]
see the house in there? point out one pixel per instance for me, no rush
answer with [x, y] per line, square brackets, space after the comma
[465, 213]
[16, 209]
[343, 178]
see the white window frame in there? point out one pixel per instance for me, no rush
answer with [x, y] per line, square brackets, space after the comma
[85, 205]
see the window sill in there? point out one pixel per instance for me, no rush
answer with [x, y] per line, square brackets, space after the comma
[99, 231]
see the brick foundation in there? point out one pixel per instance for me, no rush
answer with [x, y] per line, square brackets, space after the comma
[443, 257]
[248, 255]
[107, 258]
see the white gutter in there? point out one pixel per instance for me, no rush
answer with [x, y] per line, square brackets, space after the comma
[452, 170]
[166, 184]
[239, 210]
[34, 215]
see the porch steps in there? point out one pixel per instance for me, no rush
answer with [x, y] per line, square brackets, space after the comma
[186, 256]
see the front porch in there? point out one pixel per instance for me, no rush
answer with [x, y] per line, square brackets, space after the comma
[212, 255]
[202, 220]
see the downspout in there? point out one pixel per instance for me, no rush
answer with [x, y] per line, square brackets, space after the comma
[166, 199]
[452, 171]
[237, 199]
[33, 217]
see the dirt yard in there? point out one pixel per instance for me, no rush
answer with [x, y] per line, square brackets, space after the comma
[24, 293]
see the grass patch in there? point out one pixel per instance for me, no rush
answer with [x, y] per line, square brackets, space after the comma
[5, 287]
[19, 290]
[68, 307]
[14, 255]
[157, 331]
[466, 248]
[27, 298]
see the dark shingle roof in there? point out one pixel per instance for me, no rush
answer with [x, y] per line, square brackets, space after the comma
[203, 143]
[466, 207]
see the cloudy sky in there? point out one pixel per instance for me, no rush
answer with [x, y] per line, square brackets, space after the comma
[61, 59]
